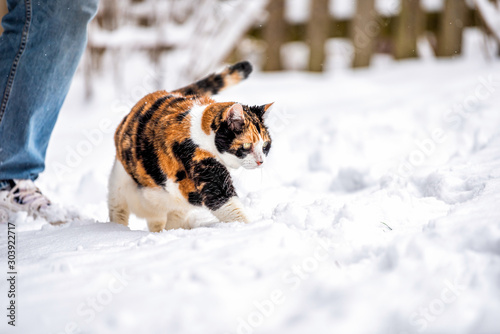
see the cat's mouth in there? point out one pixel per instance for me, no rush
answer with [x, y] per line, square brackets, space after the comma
[256, 165]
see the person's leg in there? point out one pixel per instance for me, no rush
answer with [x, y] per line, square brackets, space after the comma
[40, 48]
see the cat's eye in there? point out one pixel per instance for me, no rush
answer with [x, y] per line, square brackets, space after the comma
[266, 144]
[247, 146]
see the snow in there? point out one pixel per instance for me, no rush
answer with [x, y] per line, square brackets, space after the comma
[491, 16]
[376, 213]
[299, 10]
[433, 5]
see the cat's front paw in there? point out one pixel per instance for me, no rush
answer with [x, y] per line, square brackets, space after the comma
[243, 219]
[232, 211]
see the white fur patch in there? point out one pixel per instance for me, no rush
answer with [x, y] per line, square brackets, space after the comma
[198, 136]
[207, 142]
[149, 203]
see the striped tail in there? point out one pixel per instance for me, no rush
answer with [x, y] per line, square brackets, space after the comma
[217, 82]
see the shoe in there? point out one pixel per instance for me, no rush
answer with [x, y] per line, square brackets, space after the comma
[24, 196]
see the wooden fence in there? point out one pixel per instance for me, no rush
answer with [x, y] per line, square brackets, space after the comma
[369, 31]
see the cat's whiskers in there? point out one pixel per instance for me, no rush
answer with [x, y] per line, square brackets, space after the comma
[261, 175]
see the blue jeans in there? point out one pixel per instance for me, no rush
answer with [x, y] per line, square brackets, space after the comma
[42, 43]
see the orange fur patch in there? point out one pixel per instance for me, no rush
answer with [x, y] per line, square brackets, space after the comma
[210, 114]
[186, 186]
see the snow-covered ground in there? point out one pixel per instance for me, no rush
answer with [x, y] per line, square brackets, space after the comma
[376, 213]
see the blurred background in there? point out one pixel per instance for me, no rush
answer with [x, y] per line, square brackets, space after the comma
[180, 41]
[187, 39]
[184, 40]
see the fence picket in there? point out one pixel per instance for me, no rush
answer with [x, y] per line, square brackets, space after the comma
[362, 33]
[449, 35]
[274, 34]
[317, 34]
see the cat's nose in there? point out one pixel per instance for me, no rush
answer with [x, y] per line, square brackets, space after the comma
[259, 162]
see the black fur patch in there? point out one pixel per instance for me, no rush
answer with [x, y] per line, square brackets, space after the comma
[127, 156]
[176, 100]
[184, 152]
[259, 111]
[194, 198]
[155, 107]
[217, 186]
[257, 126]
[267, 148]
[240, 152]
[145, 149]
[181, 117]
[181, 175]
[244, 68]
[147, 154]
[213, 84]
[224, 137]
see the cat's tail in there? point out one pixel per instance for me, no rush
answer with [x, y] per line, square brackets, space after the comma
[216, 82]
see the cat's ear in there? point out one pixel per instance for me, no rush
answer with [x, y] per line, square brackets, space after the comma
[235, 117]
[267, 107]
[263, 110]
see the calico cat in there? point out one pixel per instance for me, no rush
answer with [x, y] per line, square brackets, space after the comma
[173, 152]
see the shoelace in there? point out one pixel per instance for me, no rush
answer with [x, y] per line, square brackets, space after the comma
[30, 196]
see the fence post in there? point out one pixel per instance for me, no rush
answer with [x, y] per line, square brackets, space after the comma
[451, 24]
[318, 28]
[407, 29]
[274, 34]
[3, 11]
[107, 16]
[364, 31]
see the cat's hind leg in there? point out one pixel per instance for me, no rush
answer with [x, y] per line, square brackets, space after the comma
[177, 219]
[119, 211]
[119, 214]
[156, 224]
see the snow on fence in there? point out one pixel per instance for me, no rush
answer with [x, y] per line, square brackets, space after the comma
[195, 35]
[490, 17]
[214, 29]
[384, 26]
[198, 35]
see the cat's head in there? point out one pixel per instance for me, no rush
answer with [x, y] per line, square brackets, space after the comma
[241, 137]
